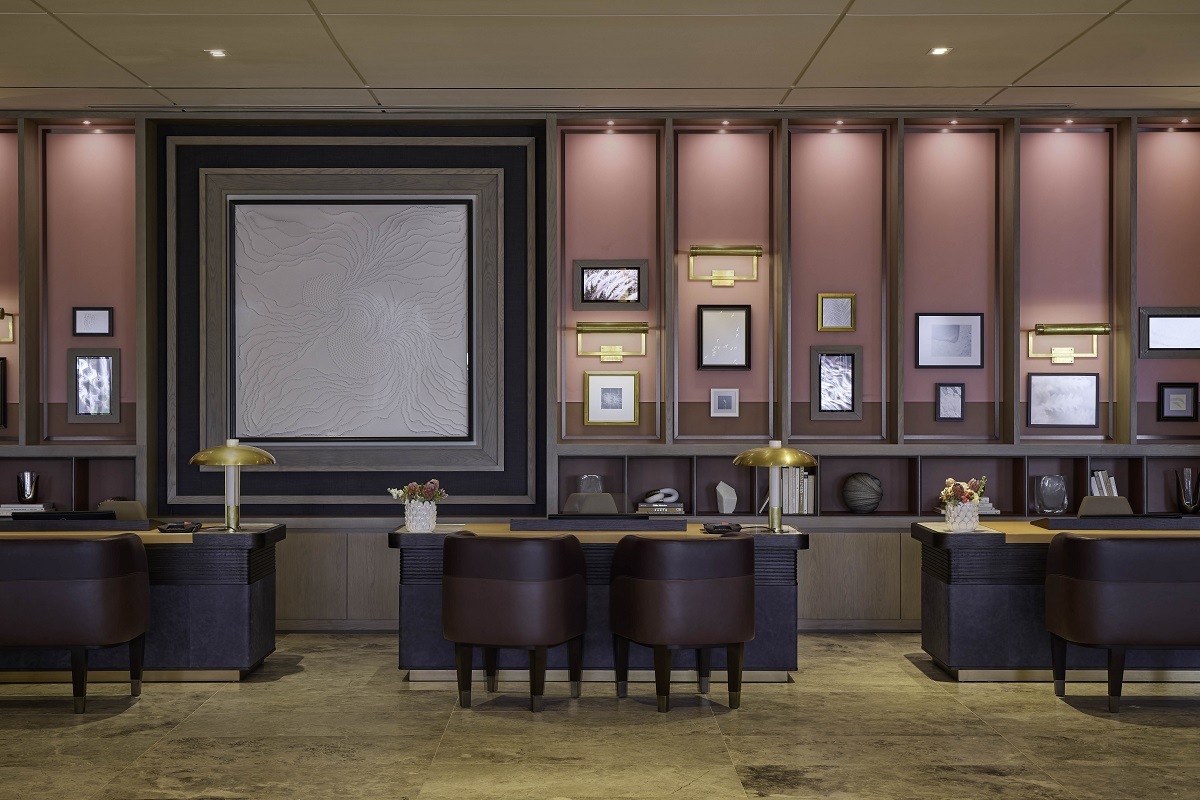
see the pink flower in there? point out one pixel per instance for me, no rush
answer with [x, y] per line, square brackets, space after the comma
[949, 481]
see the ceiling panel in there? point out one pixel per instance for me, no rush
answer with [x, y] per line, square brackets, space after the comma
[263, 50]
[1103, 96]
[579, 7]
[18, 7]
[898, 7]
[584, 52]
[920, 97]
[265, 98]
[580, 98]
[177, 6]
[51, 99]
[35, 50]
[1128, 50]
[989, 50]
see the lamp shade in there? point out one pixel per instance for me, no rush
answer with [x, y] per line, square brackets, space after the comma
[232, 455]
[774, 457]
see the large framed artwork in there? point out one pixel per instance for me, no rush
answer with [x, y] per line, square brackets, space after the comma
[1058, 400]
[835, 382]
[1169, 332]
[949, 340]
[723, 337]
[351, 319]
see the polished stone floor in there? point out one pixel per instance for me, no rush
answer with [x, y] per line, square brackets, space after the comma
[867, 717]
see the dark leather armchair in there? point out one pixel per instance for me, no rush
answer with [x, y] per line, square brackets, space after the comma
[671, 593]
[513, 591]
[1121, 592]
[76, 594]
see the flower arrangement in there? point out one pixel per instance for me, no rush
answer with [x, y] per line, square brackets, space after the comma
[430, 491]
[962, 492]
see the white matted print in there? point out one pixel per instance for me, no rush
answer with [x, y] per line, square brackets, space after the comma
[724, 402]
[1056, 400]
[949, 340]
[610, 398]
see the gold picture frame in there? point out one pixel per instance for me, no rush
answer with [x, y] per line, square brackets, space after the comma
[836, 311]
[611, 398]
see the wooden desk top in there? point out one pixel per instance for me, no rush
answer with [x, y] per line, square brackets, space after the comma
[153, 536]
[695, 530]
[1027, 533]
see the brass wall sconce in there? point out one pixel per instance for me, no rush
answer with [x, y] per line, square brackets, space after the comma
[724, 277]
[774, 456]
[1067, 355]
[609, 353]
[232, 456]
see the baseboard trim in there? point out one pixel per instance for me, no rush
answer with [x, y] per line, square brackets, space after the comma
[337, 625]
[122, 676]
[606, 675]
[859, 625]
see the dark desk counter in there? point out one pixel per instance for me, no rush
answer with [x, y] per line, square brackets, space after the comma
[428, 656]
[212, 608]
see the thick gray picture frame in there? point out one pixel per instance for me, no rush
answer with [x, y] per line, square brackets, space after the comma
[74, 353]
[1146, 319]
[815, 353]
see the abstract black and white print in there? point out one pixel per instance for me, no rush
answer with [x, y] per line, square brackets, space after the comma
[93, 385]
[950, 401]
[1064, 400]
[611, 285]
[951, 341]
[837, 381]
[611, 398]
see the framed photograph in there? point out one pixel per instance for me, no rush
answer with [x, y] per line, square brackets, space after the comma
[95, 375]
[723, 337]
[610, 285]
[723, 402]
[950, 340]
[1177, 402]
[92, 321]
[610, 398]
[835, 382]
[835, 312]
[1169, 332]
[948, 402]
[1057, 400]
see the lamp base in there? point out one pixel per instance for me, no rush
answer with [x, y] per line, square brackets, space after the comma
[233, 517]
[775, 519]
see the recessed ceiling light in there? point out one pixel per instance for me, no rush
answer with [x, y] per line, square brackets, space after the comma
[610, 122]
[939, 51]
[1069, 121]
[1184, 120]
[953, 122]
[87, 122]
[724, 122]
[839, 122]
[216, 53]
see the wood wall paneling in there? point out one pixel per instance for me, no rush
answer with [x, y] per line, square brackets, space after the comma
[850, 575]
[312, 577]
[372, 573]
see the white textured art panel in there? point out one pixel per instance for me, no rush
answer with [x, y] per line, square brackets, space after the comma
[351, 320]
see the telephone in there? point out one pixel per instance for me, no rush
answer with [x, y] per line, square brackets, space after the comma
[180, 527]
[721, 527]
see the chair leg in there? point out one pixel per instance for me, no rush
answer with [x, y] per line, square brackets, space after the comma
[537, 677]
[1116, 673]
[491, 668]
[1058, 663]
[137, 653]
[79, 671]
[621, 664]
[703, 668]
[464, 654]
[734, 656]
[662, 676]
[575, 665]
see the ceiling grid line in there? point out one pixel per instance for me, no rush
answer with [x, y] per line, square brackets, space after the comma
[816, 51]
[349, 61]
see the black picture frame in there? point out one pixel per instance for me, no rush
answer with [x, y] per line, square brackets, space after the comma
[1169, 332]
[828, 382]
[1061, 400]
[1176, 402]
[92, 321]
[723, 337]
[587, 296]
[934, 352]
[943, 405]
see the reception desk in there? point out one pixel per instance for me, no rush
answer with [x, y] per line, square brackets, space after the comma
[427, 656]
[212, 609]
[983, 607]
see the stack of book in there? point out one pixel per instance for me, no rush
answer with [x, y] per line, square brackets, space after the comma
[660, 508]
[986, 507]
[799, 490]
[7, 509]
[1103, 484]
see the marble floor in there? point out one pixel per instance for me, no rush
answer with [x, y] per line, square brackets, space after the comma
[868, 716]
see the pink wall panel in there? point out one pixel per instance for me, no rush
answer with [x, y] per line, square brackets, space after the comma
[1168, 239]
[837, 244]
[90, 248]
[950, 248]
[1065, 237]
[9, 275]
[723, 192]
[610, 211]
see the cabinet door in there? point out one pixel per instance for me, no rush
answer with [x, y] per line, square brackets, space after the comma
[850, 575]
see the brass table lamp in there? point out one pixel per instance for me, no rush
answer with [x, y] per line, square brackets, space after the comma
[774, 456]
[232, 456]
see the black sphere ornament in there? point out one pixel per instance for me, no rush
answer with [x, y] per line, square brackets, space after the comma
[862, 492]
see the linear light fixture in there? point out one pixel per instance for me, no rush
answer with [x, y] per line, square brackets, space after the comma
[723, 277]
[1067, 355]
[609, 353]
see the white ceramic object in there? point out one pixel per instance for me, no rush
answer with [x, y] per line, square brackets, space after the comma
[726, 498]
[420, 516]
[962, 517]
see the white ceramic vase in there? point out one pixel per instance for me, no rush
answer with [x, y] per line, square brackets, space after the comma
[420, 516]
[962, 516]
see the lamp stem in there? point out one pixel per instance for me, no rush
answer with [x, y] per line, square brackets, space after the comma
[233, 491]
[774, 510]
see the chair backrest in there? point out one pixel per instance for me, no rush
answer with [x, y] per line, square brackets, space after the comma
[57, 592]
[1100, 506]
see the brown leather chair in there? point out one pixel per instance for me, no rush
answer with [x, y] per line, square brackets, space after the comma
[79, 594]
[526, 592]
[672, 593]
[1121, 592]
